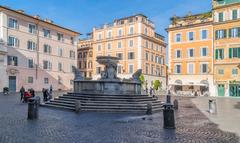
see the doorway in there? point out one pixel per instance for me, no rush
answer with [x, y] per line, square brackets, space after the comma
[12, 84]
[221, 90]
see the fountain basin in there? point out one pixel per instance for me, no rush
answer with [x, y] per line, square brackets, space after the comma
[107, 87]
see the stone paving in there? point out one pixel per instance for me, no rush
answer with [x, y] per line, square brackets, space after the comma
[57, 126]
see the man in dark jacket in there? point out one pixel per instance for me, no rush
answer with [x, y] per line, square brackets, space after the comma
[22, 91]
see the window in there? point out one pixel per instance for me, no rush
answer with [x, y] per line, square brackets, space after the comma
[120, 56]
[152, 70]
[72, 68]
[220, 17]
[72, 54]
[190, 36]
[109, 45]
[72, 40]
[178, 54]
[130, 69]
[13, 60]
[220, 34]
[234, 72]
[234, 14]
[109, 35]
[221, 71]
[31, 45]
[146, 56]
[46, 81]
[190, 67]
[60, 52]
[146, 68]
[47, 49]
[30, 63]
[131, 30]
[178, 37]
[46, 33]
[145, 30]
[234, 32]
[32, 28]
[131, 55]
[13, 23]
[30, 79]
[13, 41]
[119, 69]
[152, 46]
[130, 43]
[146, 44]
[119, 44]
[60, 66]
[219, 54]
[204, 52]
[98, 70]
[190, 53]
[120, 33]
[152, 58]
[204, 68]
[99, 47]
[204, 34]
[234, 53]
[178, 69]
[60, 37]
[47, 65]
[99, 36]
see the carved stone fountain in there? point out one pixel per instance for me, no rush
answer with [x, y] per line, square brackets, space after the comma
[109, 83]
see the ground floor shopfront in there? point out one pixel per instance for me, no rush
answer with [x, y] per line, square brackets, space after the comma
[231, 89]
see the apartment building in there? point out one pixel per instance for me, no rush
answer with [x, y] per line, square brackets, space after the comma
[191, 54]
[134, 41]
[85, 57]
[227, 47]
[35, 53]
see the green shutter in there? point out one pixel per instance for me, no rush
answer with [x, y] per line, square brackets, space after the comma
[239, 52]
[238, 31]
[216, 34]
[225, 33]
[230, 53]
[230, 33]
[216, 54]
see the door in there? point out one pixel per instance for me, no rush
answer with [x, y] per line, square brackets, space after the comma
[12, 83]
[221, 90]
[233, 90]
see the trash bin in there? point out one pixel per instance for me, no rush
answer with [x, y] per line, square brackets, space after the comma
[33, 104]
[168, 116]
[212, 106]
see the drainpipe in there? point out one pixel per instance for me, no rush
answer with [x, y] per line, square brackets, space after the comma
[37, 50]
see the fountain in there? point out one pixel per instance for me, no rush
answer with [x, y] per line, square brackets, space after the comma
[109, 83]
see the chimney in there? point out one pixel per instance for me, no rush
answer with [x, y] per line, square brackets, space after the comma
[48, 20]
[36, 16]
[20, 10]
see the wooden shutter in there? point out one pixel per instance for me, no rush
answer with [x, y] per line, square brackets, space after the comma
[216, 54]
[230, 53]
[230, 33]
[239, 52]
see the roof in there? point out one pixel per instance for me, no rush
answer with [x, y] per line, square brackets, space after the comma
[30, 16]
[195, 16]
[131, 16]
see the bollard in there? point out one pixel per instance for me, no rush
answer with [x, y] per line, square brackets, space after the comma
[149, 109]
[37, 104]
[77, 106]
[168, 115]
[31, 109]
[175, 104]
[212, 106]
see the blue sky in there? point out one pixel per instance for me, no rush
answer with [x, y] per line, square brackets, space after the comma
[83, 15]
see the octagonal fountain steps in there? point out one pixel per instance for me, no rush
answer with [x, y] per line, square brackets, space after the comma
[105, 103]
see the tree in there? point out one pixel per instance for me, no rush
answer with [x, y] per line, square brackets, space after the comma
[157, 85]
[142, 79]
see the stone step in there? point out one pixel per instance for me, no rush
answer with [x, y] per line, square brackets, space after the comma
[58, 106]
[72, 101]
[104, 99]
[105, 94]
[110, 96]
[61, 104]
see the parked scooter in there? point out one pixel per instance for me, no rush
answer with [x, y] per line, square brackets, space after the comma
[5, 91]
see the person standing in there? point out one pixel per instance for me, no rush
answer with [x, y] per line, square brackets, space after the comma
[22, 91]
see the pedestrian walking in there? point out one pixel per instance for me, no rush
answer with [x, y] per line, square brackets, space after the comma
[50, 89]
[32, 92]
[44, 91]
[22, 91]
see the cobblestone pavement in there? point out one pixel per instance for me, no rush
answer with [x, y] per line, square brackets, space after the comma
[57, 126]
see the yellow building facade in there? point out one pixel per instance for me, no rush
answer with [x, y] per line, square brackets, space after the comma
[191, 55]
[134, 41]
[227, 47]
